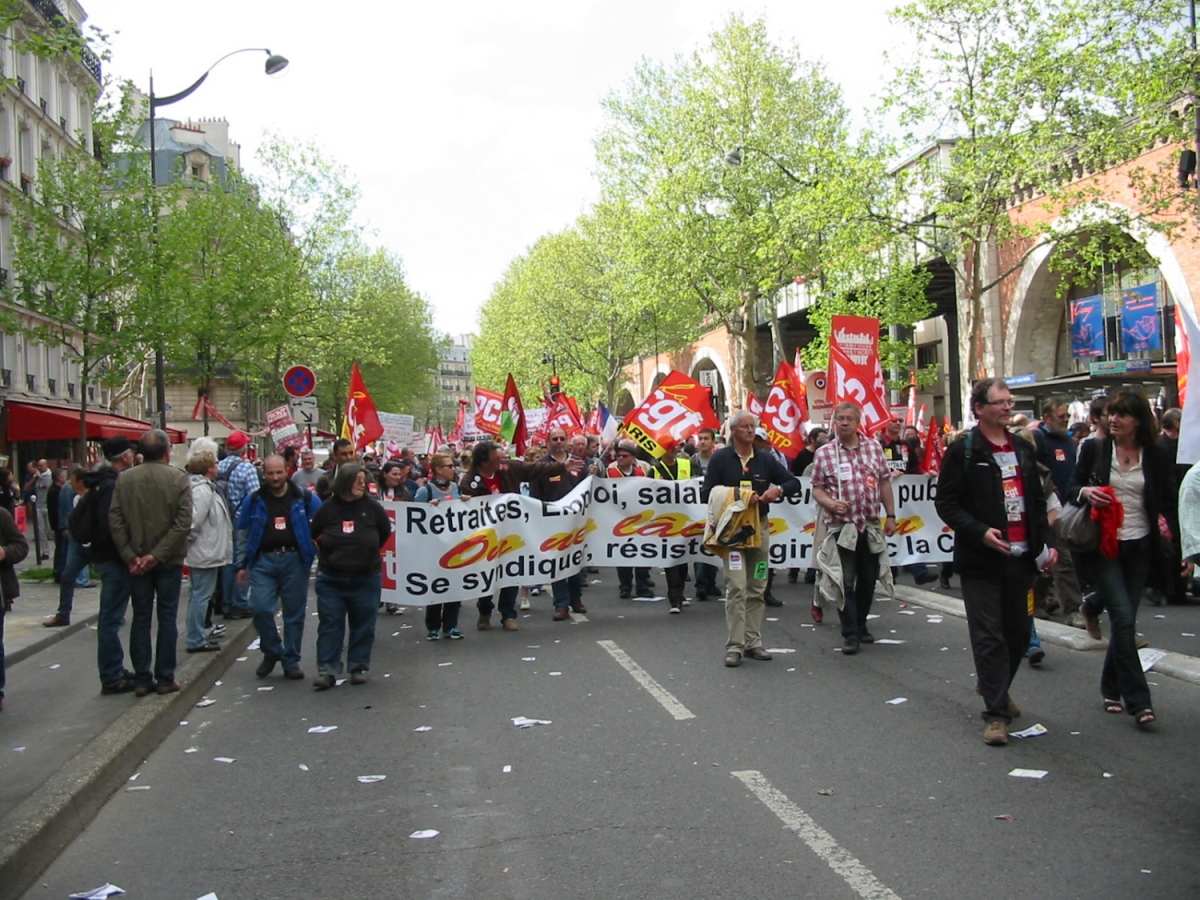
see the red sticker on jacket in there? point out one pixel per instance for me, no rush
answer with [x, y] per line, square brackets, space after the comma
[1060, 455]
[372, 488]
[281, 523]
[348, 527]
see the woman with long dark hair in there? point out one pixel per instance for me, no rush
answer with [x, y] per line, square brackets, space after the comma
[349, 530]
[1126, 466]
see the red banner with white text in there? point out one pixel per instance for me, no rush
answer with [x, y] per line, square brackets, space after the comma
[488, 407]
[855, 374]
[675, 410]
[782, 415]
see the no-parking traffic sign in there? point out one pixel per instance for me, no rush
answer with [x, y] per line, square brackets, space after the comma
[299, 381]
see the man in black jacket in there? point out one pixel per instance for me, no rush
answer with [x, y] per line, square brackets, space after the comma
[90, 526]
[990, 494]
[568, 592]
[746, 570]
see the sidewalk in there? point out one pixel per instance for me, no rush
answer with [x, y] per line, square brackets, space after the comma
[64, 747]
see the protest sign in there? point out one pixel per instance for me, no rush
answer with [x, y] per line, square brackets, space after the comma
[673, 411]
[283, 429]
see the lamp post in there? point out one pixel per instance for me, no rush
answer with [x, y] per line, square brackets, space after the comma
[275, 64]
[549, 360]
[734, 158]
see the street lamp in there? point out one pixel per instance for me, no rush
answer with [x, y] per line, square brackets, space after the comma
[549, 360]
[734, 158]
[275, 64]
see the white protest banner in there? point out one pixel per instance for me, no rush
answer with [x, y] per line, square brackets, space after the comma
[396, 428]
[283, 428]
[460, 551]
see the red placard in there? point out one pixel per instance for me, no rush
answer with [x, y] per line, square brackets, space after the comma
[753, 405]
[561, 415]
[676, 409]
[855, 374]
[488, 407]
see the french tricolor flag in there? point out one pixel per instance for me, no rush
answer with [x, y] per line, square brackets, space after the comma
[608, 424]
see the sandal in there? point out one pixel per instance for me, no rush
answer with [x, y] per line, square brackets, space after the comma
[1113, 706]
[1144, 717]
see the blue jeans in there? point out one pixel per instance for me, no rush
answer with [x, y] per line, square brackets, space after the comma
[1035, 642]
[114, 600]
[706, 576]
[1120, 583]
[233, 595]
[202, 584]
[280, 579]
[74, 574]
[341, 598]
[60, 551]
[508, 604]
[567, 591]
[155, 594]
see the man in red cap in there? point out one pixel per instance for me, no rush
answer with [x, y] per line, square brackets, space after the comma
[238, 478]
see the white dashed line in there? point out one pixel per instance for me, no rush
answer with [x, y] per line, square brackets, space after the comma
[642, 677]
[819, 841]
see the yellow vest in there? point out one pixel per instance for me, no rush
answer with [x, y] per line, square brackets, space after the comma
[684, 470]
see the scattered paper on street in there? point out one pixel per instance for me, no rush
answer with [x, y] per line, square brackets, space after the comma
[1149, 656]
[55, 666]
[1032, 731]
[322, 729]
[303, 767]
[896, 701]
[1108, 774]
[825, 792]
[242, 658]
[223, 759]
[137, 787]
[1186, 634]
[192, 750]
[506, 769]
[648, 599]
[254, 644]
[528, 658]
[905, 612]
[340, 681]
[424, 834]
[933, 620]
[135, 776]
[1028, 773]
[441, 665]
[523, 722]
[423, 728]
[108, 890]
[872, 616]
[781, 650]
[772, 619]
[1160, 616]
[209, 896]
[206, 702]
[370, 779]
[556, 673]
[269, 687]
[1005, 817]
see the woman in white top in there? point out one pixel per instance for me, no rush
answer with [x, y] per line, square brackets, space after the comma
[1139, 474]
[441, 618]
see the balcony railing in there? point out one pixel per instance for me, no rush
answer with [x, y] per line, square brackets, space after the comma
[31, 383]
[53, 15]
[52, 383]
[71, 389]
[6, 377]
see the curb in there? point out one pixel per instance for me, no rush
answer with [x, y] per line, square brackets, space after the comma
[49, 639]
[45, 823]
[1173, 665]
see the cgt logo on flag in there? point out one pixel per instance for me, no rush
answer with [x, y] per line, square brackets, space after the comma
[675, 409]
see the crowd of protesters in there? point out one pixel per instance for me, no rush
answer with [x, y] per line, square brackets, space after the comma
[249, 533]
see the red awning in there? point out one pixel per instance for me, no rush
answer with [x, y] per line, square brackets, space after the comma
[34, 422]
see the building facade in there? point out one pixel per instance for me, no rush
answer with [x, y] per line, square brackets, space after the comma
[453, 379]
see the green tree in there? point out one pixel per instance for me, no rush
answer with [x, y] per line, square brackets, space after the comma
[740, 163]
[81, 250]
[1034, 94]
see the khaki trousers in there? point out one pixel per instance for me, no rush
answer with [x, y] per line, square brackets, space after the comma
[744, 607]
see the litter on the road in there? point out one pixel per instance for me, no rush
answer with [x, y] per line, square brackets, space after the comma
[1032, 731]
[533, 647]
[648, 599]
[781, 649]
[423, 728]
[1028, 773]
[405, 626]
[524, 722]
[1108, 774]
[135, 776]
[905, 612]
[242, 658]
[55, 666]
[137, 787]
[1006, 817]
[442, 665]
[1149, 657]
[209, 896]
[370, 779]
[556, 673]
[792, 669]
[595, 581]
[825, 792]
[205, 702]
[872, 616]
[887, 641]
[506, 769]
[18, 749]
[223, 759]
[302, 767]
[340, 682]
[254, 644]
[192, 750]
[772, 618]
[269, 687]
[528, 658]
[424, 834]
[1186, 634]
[322, 729]
[107, 890]
[1160, 616]
[896, 701]
[933, 620]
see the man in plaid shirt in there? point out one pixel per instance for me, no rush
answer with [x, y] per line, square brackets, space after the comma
[850, 480]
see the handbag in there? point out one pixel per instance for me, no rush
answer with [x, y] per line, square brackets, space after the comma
[1076, 530]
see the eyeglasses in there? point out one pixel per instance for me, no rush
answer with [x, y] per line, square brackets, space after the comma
[1006, 404]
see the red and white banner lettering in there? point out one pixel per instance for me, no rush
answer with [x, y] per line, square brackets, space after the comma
[488, 407]
[854, 371]
[782, 416]
[675, 410]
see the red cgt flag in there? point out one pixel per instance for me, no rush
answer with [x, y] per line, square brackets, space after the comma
[676, 409]
[782, 414]
[562, 414]
[362, 419]
[855, 374]
[931, 461]
[488, 407]
[753, 405]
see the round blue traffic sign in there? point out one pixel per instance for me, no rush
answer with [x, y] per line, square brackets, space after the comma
[299, 381]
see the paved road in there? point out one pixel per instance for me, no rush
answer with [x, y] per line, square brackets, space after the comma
[792, 778]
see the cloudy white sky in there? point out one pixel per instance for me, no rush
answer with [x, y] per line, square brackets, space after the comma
[468, 126]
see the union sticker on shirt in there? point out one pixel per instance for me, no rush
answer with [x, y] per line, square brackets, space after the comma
[869, 481]
[1014, 509]
[1060, 455]
[281, 523]
[373, 488]
[348, 527]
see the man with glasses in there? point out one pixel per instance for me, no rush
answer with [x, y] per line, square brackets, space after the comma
[627, 466]
[990, 493]
[568, 592]
[742, 466]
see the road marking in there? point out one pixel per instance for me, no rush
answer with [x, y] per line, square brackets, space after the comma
[642, 677]
[819, 841]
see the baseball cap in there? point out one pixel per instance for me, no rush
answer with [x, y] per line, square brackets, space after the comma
[237, 440]
[760, 433]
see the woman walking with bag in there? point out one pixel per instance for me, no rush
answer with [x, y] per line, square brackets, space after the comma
[1126, 467]
[441, 488]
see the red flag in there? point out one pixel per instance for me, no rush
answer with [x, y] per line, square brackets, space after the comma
[931, 461]
[921, 421]
[781, 416]
[593, 423]
[910, 415]
[855, 374]
[456, 434]
[512, 418]
[1183, 355]
[561, 415]
[362, 420]
[754, 405]
[676, 409]
[488, 406]
[198, 414]
[799, 386]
